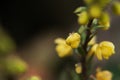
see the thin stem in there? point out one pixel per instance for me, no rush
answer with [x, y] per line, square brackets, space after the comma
[84, 63]
[88, 32]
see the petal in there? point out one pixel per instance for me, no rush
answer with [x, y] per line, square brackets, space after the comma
[98, 53]
[59, 41]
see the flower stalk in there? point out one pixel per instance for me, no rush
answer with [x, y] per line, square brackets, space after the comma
[90, 20]
[84, 63]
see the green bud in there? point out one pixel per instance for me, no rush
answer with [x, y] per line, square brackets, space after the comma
[6, 43]
[15, 65]
[80, 9]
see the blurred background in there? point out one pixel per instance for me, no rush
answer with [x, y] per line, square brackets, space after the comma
[30, 26]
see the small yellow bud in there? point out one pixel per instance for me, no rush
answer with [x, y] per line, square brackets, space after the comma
[95, 11]
[105, 49]
[83, 18]
[105, 21]
[104, 17]
[116, 7]
[104, 3]
[73, 40]
[92, 41]
[62, 48]
[98, 69]
[92, 50]
[104, 75]
[106, 26]
[78, 68]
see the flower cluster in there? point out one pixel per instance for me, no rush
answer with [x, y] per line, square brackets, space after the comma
[96, 9]
[64, 47]
[91, 19]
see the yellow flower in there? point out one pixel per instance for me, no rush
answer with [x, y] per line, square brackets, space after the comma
[104, 75]
[105, 21]
[105, 49]
[95, 11]
[73, 40]
[62, 48]
[92, 41]
[83, 18]
[116, 7]
[78, 68]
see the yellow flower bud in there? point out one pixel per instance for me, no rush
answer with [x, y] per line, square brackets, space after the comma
[62, 48]
[78, 68]
[92, 41]
[83, 18]
[106, 26]
[105, 21]
[116, 8]
[105, 49]
[34, 78]
[104, 75]
[95, 11]
[92, 50]
[104, 3]
[98, 69]
[60, 41]
[73, 40]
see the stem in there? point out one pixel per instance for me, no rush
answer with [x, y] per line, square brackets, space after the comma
[83, 61]
[88, 32]
[84, 68]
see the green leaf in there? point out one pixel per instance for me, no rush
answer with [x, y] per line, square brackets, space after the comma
[82, 29]
[63, 76]
[80, 9]
[82, 32]
[94, 28]
[80, 50]
[95, 21]
[75, 76]
[83, 37]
